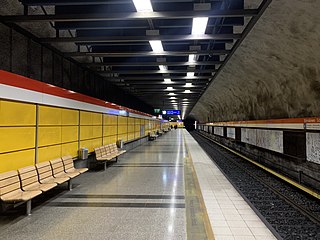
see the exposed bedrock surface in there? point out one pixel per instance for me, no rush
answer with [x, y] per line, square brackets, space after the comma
[275, 73]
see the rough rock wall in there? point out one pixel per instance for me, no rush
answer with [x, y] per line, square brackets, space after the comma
[275, 73]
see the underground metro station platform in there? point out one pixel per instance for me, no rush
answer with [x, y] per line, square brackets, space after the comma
[159, 119]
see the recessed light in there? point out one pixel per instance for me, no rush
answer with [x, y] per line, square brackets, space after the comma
[143, 5]
[163, 67]
[192, 58]
[190, 74]
[156, 46]
[199, 25]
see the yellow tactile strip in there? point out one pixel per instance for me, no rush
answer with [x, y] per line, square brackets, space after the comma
[198, 223]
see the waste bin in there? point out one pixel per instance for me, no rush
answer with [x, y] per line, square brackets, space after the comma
[120, 143]
[83, 153]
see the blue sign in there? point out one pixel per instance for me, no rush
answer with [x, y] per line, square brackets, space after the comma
[171, 112]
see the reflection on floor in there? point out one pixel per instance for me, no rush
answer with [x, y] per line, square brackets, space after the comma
[140, 197]
[165, 189]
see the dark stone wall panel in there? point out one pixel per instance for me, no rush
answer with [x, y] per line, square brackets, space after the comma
[5, 47]
[19, 54]
[34, 60]
[66, 74]
[47, 66]
[57, 70]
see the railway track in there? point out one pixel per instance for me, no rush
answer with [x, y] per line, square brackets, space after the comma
[288, 212]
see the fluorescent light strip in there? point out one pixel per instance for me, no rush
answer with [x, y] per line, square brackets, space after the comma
[188, 84]
[192, 58]
[143, 5]
[190, 74]
[167, 80]
[163, 67]
[199, 25]
[169, 88]
[156, 46]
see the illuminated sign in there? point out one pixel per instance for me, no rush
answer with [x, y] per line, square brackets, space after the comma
[171, 112]
[157, 110]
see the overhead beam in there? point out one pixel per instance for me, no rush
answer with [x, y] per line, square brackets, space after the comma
[102, 26]
[151, 78]
[181, 43]
[145, 53]
[86, 2]
[155, 71]
[139, 64]
[161, 83]
[116, 16]
[127, 39]
[163, 93]
[163, 87]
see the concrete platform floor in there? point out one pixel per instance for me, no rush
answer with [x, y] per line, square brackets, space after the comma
[150, 193]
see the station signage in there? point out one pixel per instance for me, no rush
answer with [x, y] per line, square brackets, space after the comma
[157, 110]
[171, 112]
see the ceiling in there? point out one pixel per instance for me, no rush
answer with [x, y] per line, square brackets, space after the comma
[116, 39]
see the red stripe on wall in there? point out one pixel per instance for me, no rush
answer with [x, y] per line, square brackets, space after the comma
[19, 81]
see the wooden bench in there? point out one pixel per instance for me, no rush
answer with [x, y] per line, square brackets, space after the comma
[17, 187]
[107, 153]
[58, 172]
[165, 130]
[69, 166]
[11, 191]
[152, 136]
[30, 180]
[116, 150]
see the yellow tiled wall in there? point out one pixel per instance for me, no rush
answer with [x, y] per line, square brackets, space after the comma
[131, 126]
[61, 132]
[58, 132]
[123, 128]
[17, 135]
[137, 123]
[90, 130]
[110, 128]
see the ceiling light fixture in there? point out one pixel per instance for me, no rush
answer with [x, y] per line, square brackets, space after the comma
[143, 5]
[187, 91]
[156, 46]
[169, 88]
[199, 25]
[190, 74]
[188, 84]
[172, 98]
[163, 67]
[171, 94]
[167, 80]
[192, 58]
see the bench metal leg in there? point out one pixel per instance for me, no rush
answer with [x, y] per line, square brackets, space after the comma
[116, 158]
[105, 165]
[28, 207]
[70, 185]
